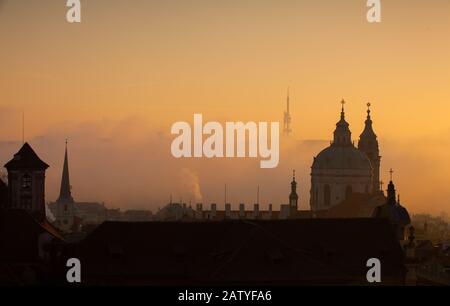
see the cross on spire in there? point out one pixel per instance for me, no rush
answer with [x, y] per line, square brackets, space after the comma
[391, 172]
[343, 102]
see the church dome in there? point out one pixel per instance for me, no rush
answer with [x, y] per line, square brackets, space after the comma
[341, 157]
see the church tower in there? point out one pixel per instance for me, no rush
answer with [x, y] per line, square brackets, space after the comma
[26, 182]
[293, 197]
[65, 205]
[339, 170]
[65, 194]
[368, 144]
[394, 211]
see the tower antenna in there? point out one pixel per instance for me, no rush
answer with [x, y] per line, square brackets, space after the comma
[287, 117]
[23, 127]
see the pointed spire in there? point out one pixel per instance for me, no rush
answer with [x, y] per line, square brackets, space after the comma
[65, 192]
[368, 133]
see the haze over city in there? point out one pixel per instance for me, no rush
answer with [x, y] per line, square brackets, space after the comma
[114, 84]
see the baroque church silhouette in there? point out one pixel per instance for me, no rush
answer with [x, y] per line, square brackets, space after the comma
[342, 169]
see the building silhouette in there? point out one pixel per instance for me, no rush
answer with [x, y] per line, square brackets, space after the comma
[65, 210]
[184, 212]
[368, 143]
[249, 247]
[72, 216]
[293, 196]
[394, 212]
[342, 169]
[240, 252]
[26, 182]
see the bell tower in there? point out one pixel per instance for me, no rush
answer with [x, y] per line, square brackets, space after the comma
[26, 178]
[368, 144]
[293, 196]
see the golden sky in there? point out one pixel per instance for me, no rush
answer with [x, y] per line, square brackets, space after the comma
[115, 83]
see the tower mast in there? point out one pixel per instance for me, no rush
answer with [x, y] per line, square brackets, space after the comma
[287, 118]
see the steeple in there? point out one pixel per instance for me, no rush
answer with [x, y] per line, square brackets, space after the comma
[342, 134]
[368, 130]
[65, 193]
[368, 143]
[293, 197]
[391, 198]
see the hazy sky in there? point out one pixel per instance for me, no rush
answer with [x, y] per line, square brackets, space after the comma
[115, 83]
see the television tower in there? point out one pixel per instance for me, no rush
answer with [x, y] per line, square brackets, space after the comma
[287, 118]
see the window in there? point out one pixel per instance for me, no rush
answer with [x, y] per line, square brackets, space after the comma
[26, 181]
[327, 195]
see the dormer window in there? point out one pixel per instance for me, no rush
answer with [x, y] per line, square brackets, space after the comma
[26, 181]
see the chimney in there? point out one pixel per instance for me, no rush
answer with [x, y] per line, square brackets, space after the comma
[227, 210]
[199, 206]
[256, 211]
[242, 211]
[270, 211]
[213, 210]
[199, 211]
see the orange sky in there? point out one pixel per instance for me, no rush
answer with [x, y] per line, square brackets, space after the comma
[117, 81]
